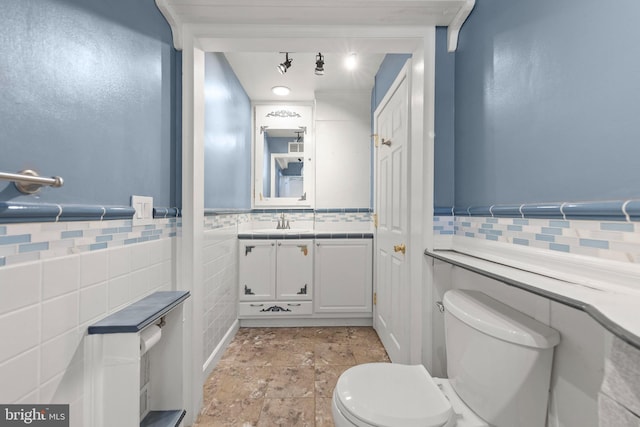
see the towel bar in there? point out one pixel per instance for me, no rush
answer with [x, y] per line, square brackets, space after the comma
[28, 181]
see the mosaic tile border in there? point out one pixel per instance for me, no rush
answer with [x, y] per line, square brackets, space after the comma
[25, 242]
[614, 210]
[602, 239]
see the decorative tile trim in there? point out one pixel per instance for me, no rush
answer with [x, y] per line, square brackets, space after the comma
[274, 211]
[211, 212]
[166, 213]
[13, 212]
[443, 211]
[214, 222]
[344, 210]
[615, 210]
[25, 242]
[602, 239]
[343, 217]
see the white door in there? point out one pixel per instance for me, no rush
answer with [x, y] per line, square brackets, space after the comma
[391, 313]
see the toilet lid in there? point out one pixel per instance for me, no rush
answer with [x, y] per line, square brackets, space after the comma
[391, 395]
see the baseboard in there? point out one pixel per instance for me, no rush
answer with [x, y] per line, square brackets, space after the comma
[217, 353]
[293, 323]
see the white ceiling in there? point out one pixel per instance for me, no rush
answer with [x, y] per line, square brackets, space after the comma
[257, 74]
[252, 32]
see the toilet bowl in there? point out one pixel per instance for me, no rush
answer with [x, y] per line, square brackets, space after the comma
[498, 369]
[394, 395]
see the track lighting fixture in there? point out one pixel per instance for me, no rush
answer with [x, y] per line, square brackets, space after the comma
[283, 67]
[319, 71]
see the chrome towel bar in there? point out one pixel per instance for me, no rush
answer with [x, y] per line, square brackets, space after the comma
[28, 181]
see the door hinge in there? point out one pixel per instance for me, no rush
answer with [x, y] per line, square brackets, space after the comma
[375, 220]
[376, 143]
[375, 298]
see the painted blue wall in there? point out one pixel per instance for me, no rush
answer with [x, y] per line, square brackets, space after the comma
[88, 92]
[387, 73]
[547, 97]
[444, 143]
[227, 143]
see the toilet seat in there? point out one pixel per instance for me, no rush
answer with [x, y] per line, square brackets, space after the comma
[391, 395]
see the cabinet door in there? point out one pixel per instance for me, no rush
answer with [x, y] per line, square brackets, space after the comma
[257, 270]
[343, 276]
[294, 269]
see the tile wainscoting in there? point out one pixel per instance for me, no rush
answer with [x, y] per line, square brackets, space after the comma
[606, 230]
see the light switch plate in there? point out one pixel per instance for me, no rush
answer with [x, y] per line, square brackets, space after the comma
[144, 210]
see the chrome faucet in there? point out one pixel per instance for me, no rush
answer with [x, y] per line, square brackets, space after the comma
[282, 223]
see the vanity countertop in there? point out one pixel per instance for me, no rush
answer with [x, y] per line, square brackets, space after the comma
[270, 234]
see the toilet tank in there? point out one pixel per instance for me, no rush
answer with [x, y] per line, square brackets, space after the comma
[498, 359]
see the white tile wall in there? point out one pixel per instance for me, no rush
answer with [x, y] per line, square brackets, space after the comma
[220, 254]
[46, 306]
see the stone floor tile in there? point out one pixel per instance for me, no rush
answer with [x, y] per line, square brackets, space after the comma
[326, 378]
[334, 354]
[292, 381]
[288, 412]
[324, 418]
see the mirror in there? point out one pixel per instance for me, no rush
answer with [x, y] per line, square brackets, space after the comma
[283, 167]
[283, 154]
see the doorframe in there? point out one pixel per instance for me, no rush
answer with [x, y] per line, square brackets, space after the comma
[198, 39]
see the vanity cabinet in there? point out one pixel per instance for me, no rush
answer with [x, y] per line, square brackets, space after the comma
[275, 277]
[343, 276]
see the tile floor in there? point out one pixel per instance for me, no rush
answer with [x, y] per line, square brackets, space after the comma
[284, 376]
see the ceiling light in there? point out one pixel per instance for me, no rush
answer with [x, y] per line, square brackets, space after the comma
[319, 71]
[280, 90]
[283, 67]
[351, 61]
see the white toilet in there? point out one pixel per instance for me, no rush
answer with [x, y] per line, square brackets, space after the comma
[498, 364]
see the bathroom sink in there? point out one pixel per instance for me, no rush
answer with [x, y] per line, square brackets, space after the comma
[281, 231]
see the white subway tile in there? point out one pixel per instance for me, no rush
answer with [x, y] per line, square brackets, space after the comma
[155, 251]
[29, 398]
[139, 283]
[93, 302]
[48, 389]
[139, 256]
[19, 377]
[59, 315]
[119, 291]
[119, 261]
[60, 276]
[19, 286]
[93, 268]
[19, 331]
[56, 354]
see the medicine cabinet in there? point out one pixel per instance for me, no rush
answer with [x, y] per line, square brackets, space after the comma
[283, 156]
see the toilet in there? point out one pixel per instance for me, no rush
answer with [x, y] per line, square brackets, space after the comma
[498, 368]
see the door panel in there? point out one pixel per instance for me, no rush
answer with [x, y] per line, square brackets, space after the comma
[391, 318]
[257, 274]
[294, 270]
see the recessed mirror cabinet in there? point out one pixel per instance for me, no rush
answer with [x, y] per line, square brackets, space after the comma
[283, 156]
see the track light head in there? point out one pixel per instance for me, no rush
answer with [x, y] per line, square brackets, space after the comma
[284, 66]
[319, 71]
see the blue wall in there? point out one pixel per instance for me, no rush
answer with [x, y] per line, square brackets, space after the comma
[89, 93]
[444, 143]
[387, 73]
[547, 97]
[227, 143]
